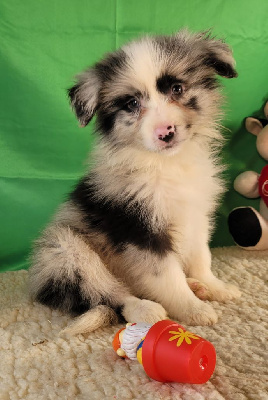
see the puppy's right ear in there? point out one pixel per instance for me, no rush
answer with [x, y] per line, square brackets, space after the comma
[84, 96]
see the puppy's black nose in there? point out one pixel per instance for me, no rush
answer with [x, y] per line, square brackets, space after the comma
[167, 138]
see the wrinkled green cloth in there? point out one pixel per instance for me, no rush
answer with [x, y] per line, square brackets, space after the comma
[45, 43]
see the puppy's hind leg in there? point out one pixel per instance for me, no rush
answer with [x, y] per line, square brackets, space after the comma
[68, 275]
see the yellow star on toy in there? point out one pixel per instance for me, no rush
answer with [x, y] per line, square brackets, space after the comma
[182, 335]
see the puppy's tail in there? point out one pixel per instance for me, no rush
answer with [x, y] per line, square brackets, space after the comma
[91, 320]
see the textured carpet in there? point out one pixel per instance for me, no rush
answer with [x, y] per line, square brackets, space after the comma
[36, 363]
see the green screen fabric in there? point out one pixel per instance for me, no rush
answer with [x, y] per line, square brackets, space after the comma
[45, 43]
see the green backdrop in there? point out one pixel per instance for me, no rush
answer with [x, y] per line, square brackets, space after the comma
[45, 43]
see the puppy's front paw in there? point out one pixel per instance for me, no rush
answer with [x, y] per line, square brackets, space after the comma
[221, 291]
[137, 310]
[204, 314]
[200, 289]
[197, 313]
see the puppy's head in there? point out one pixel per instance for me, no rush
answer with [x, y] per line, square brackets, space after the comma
[155, 93]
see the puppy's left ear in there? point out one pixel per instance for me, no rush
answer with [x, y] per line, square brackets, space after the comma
[84, 96]
[219, 57]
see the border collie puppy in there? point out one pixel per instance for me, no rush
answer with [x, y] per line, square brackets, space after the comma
[138, 224]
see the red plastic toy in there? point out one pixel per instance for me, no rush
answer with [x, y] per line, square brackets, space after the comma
[167, 351]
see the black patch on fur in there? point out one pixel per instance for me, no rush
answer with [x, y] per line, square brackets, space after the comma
[165, 81]
[111, 65]
[192, 69]
[208, 83]
[167, 44]
[121, 103]
[64, 295]
[121, 223]
[79, 106]
[221, 67]
[73, 91]
[188, 126]
[106, 114]
[105, 120]
[192, 103]
[244, 227]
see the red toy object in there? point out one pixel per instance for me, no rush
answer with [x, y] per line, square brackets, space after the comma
[167, 351]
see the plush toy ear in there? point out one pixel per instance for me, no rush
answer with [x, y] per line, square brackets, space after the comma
[219, 57]
[253, 125]
[84, 96]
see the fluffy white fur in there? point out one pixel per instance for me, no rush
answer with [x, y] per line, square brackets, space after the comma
[175, 183]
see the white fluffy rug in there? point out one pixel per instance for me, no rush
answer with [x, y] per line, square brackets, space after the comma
[36, 363]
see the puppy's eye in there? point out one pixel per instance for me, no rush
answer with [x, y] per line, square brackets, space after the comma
[176, 89]
[133, 105]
